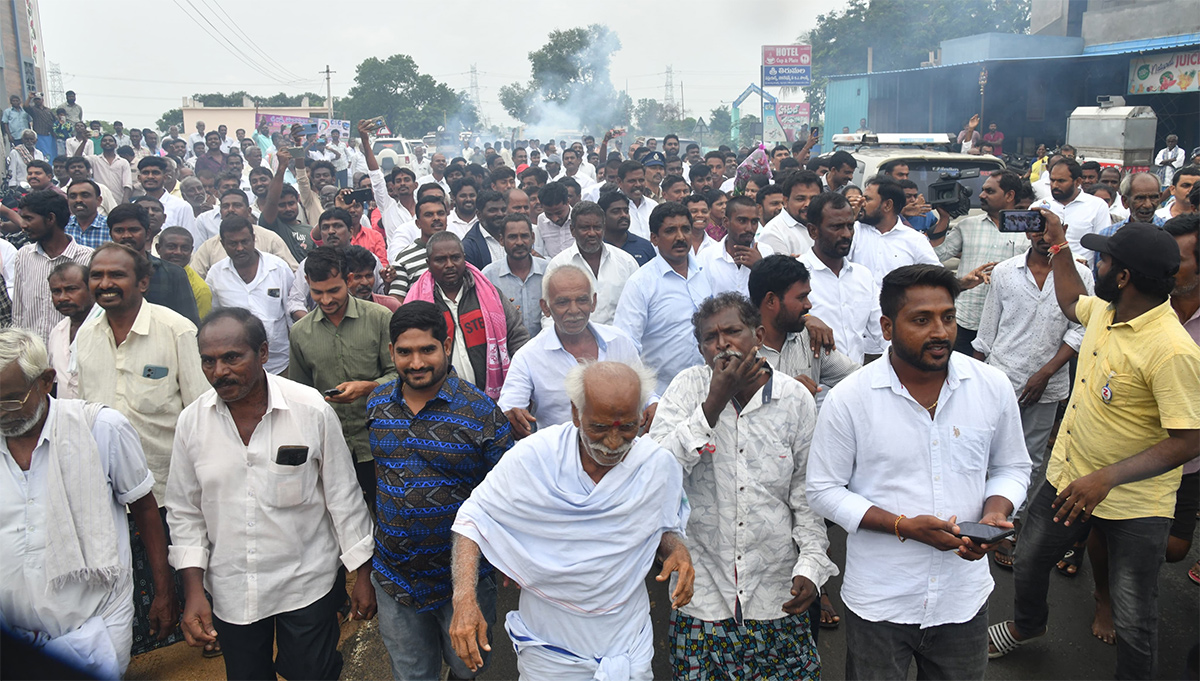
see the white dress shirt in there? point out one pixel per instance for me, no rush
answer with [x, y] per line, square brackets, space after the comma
[399, 228]
[786, 235]
[848, 302]
[161, 342]
[876, 446]
[265, 296]
[538, 369]
[639, 216]
[179, 213]
[551, 238]
[1022, 326]
[616, 267]
[427, 179]
[458, 226]
[722, 272]
[1085, 214]
[881, 253]
[751, 530]
[269, 537]
[208, 225]
[115, 176]
[656, 311]
[25, 599]
[17, 166]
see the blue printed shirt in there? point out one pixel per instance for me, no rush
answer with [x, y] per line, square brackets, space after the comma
[426, 465]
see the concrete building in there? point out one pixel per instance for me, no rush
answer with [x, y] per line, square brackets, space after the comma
[1077, 50]
[240, 116]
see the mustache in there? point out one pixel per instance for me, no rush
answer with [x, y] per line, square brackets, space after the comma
[935, 345]
[224, 383]
[726, 354]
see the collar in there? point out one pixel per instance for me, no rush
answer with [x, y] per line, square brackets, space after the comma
[886, 377]
[353, 310]
[1148, 317]
[602, 336]
[275, 400]
[538, 266]
[662, 267]
[445, 393]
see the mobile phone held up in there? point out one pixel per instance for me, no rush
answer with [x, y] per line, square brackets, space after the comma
[361, 195]
[983, 534]
[1022, 221]
[377, 123]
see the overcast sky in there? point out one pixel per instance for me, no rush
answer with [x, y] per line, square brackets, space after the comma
[134, 59]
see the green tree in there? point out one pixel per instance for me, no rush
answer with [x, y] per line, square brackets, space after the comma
[750, 131]
[169, 118]
[720, 123]
[570, 83]
[901, 33]
[413, 103]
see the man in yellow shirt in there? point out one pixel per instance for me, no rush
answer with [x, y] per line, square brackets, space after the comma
[1132, 422]
[175, 246]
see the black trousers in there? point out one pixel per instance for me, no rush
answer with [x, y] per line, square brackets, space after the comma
[308, 640]
[965, 338]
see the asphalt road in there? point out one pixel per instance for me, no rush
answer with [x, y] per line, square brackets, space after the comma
[1068, 651]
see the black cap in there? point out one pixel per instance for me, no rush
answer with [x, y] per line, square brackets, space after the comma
[654, 158]
[1141, 247]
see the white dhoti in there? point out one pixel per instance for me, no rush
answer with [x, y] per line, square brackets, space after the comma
[579, 550]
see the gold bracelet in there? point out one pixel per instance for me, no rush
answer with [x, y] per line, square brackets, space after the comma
[897, 528]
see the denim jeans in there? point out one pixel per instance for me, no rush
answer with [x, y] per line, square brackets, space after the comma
[884, 650]
[1136, 551]
[418, 642]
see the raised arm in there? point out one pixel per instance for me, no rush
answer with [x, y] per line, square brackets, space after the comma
[1068, 285]
[275, 190]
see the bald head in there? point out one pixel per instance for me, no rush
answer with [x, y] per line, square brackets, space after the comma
[615, 385]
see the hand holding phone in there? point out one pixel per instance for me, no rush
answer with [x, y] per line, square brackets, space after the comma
[331, 392]
[984, 534]
[1017, 221]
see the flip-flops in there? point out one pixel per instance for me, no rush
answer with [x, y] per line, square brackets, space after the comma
[1073, 558]
[1003, 555]
[1002, 640]
[1194, 573]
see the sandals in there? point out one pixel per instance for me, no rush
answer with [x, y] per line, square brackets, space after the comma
[1194, 573]
[1003, 555]
[1002, 640]
[829, 617]
[1073, 558]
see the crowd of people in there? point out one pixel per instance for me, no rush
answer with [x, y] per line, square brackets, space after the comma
[250, 391]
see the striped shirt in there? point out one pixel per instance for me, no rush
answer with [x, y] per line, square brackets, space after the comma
[427, 465]
[94, 235]
[409, 265]
[977, 241]
[32, 307]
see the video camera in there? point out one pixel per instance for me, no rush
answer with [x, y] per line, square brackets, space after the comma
[949, 194]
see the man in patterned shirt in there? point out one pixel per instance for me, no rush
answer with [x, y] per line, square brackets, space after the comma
[741, 431]
[434, 437]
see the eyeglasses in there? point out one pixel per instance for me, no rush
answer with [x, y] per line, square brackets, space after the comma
[16, 405]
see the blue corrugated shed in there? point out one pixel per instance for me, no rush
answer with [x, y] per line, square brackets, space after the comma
[846, 101]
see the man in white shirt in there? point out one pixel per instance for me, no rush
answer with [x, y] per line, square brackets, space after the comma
[658, 301]
[341, 160]
[257, 281]
[195, 137]
[112, 171]
[1023, 333]
[264, 448]
[786, 232]
[1181, 185]
[1081, 212]
[631, 176]
[152, 172]
[572, 168]
[553, 234]
[437, 172]
[607, 267]
[911, 447]
[593, 478]
[73, 300]
[844, 294]
[21, 156]
[534, 392]
[1168, 160]
[70, 470]
[727, 265]
[463, 193]
[741, 432]
[881, 241]
[420, 161]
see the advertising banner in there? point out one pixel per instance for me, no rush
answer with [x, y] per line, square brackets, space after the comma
[1164, 73]
[324, 125]
[782, 121]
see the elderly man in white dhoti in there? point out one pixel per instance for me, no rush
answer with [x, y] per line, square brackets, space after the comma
[575, 514]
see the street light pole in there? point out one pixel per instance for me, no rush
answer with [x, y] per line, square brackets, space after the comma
[982, 86]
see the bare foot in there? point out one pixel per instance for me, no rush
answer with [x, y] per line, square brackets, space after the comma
[829, 617]
[1102, 623]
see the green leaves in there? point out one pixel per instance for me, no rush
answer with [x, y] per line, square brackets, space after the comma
[412, 102]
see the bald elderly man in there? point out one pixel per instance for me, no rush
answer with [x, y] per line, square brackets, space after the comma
[579, 549]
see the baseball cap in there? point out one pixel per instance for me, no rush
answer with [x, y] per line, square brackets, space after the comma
[554, 158]
[654, 158]
[1141, 247]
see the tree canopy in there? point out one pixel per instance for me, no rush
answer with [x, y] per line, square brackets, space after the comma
[570, 85]
[413, 103]
[901, 33]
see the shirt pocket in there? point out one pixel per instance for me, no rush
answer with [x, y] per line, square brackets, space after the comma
[966, 448]
[288, 486]
[152, 395]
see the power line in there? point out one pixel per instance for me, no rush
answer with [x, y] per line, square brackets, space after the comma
[185, 82]
[251, 42]
[224, 42]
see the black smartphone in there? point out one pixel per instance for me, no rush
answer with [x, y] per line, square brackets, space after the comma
[815, 131]
[291, 455]
[296, 152]
[983, 534]
[331, 392]
[1022, 221]
[361, 195]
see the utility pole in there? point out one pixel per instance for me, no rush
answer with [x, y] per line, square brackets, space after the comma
[669, 92]
[328, 91]
[475, 96]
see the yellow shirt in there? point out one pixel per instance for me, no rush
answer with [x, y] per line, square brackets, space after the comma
[1135, 380]
[200, 292]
